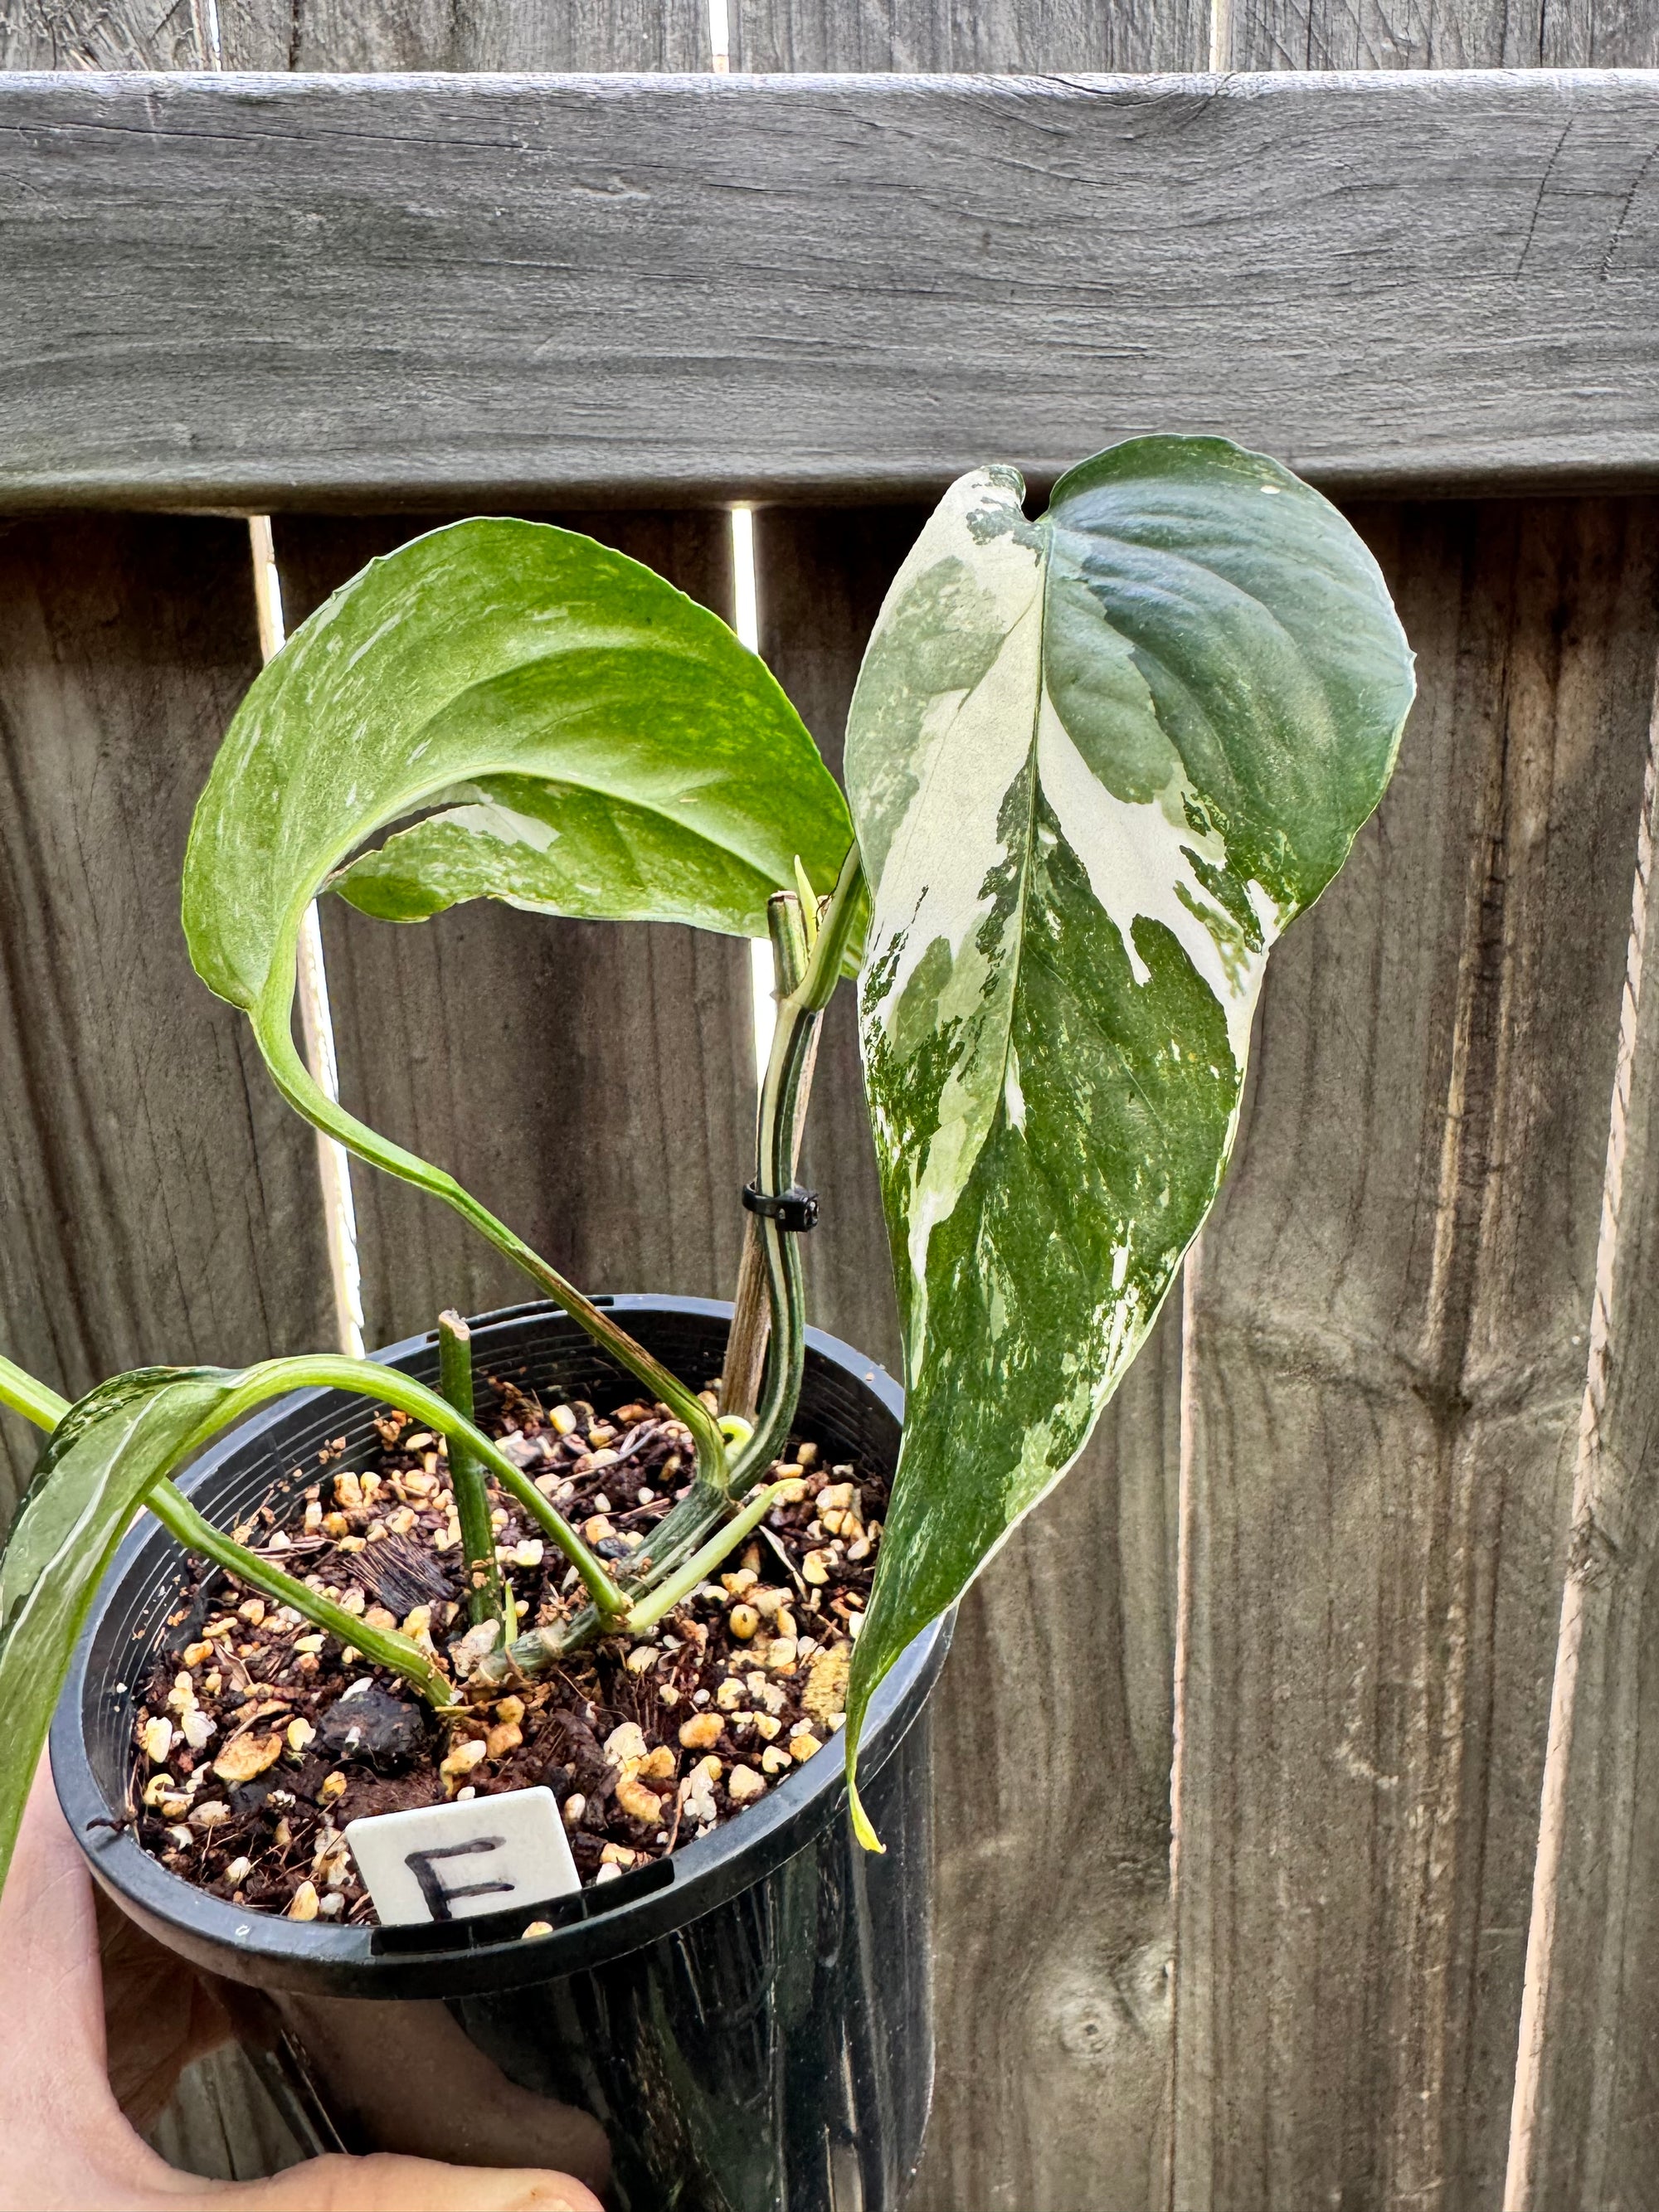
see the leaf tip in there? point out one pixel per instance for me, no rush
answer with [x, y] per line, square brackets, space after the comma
[862, 1828]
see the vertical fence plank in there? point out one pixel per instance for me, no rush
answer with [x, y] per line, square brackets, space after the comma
[594, 1085]
[159, 1206]
[1389, 2062]
[1012, 37]
[1583, 2136]
[499, 35]
[1315, 35]
[1383, 1365]
[161, 1199]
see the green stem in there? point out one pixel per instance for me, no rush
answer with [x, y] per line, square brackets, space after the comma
[175, 1512]
[791, 1042]
[704, 1508]
[487, 1593]
[836, 929]
[333, 1372]
[648, 1610]
[272, 1022]
[543, 1648]
[697, 1524]
[385, 1647]
[33, 1399]
[745, 1343]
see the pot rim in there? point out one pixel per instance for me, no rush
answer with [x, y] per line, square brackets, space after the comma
[486, 1952]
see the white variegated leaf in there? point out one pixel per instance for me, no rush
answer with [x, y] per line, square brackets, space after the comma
[1097, 763]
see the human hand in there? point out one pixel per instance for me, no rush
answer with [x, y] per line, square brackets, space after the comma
[69, 2148]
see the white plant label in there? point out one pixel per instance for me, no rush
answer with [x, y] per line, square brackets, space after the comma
[450, 1862]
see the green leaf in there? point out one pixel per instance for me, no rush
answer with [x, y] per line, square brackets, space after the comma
[1097, 764]
[595, 743]
[98, 1463]
[598, 744]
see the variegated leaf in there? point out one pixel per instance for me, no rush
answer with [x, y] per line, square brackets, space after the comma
[1097, 763]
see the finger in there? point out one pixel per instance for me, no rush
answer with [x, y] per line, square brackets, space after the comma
[384, 2182]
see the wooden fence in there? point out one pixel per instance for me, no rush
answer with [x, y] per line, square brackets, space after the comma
[1368, 1529]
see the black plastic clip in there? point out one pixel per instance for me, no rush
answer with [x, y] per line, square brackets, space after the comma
[794, 1208]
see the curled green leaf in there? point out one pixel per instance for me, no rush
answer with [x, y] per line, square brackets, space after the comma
[595, 743]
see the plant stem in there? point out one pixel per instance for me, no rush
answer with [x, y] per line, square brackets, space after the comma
[33, 1399]
[488, 1597]
[700, 1512]
[175, 1512]
[385, 1647]
[272, 1022]
[781, 1104]
[543, 1649]
[332, 1371]
[647, 1611]
[698, 1525]
[746, 1346]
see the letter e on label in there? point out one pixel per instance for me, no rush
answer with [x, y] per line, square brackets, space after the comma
[449, 1862]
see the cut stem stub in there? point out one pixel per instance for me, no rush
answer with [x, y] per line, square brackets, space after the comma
[488, 1597]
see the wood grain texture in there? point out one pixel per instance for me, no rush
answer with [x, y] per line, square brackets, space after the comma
[222, 2123]
[161, 1200]
[593, 1085]
[106, 34]
[499, 35]
[1052, 1734]
[336, 35]
[1583, 2135]
[1384, 1360]
[1427, 35]
[1382, 34]
[997, 36]
[479, 289]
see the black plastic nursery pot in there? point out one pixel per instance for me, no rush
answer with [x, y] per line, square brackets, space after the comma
[749, 2022]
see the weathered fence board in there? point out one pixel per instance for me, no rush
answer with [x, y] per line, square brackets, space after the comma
[593, 1085]
[651, 289]
[1420, 34]
[343, 34]
[161, 1201]
[1385, 1356]
[495, 34]
[1583, 2135]
[998, 37]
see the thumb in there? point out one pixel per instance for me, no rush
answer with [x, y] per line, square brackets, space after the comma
[386, 2183]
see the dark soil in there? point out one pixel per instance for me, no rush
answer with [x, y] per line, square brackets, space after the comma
[278, 1737]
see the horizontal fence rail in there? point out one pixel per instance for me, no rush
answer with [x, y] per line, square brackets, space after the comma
[277, 292]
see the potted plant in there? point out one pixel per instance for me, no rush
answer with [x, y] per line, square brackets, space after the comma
[1095, 763]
